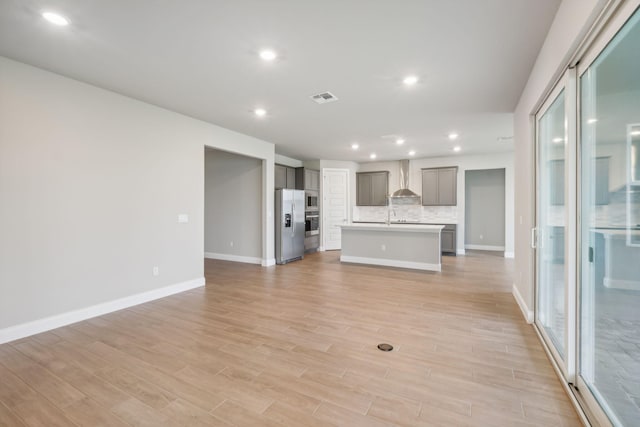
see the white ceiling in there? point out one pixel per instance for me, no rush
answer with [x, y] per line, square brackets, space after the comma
[200, 58]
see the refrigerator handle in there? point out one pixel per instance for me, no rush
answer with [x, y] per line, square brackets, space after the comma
[293, 219]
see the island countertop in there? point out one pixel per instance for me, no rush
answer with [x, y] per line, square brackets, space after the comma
[403, 227]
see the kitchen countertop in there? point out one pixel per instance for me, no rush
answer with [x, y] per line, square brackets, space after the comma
[403, 227]
[447, 222]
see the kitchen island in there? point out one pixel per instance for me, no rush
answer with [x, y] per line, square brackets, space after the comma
[395, 245]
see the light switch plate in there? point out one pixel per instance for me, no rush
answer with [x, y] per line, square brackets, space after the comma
[183, 218]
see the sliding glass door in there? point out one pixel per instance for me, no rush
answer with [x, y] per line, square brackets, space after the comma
[551, 223]
[609, 302]
[587, 233]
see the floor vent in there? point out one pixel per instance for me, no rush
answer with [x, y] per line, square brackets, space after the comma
[325, 97]
[385, 347]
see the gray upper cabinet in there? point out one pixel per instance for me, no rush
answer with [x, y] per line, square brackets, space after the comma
[372, 188]
[291, 178]
[280, 179]
[284, 177]
[379, 188]
[430, 187]
[363, 190]
[307, 179]
[313, 178]
[439, 186]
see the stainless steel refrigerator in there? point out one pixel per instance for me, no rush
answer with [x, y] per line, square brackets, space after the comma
[289, 225]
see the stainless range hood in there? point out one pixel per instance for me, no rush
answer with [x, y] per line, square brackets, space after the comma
[404, 196]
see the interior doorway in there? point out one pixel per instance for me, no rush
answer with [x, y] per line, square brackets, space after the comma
[484, 216]
[233, 227]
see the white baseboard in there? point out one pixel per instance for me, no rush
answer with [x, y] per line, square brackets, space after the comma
[509, 255]
[528, 314]
[321, 249]
[13, 333]
[484, 247]
[460, 252]
[630, 285]
[391, 263]
[234, 258]
[268, 262]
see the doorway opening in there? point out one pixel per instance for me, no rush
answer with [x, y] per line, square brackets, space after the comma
[232, 207]
[484, 215]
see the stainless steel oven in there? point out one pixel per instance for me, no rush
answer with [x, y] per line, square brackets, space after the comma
[311, 200]
[312, 223]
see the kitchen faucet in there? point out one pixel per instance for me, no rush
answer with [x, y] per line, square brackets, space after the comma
[389, 210]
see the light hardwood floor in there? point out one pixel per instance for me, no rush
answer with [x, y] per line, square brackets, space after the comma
[296, 345]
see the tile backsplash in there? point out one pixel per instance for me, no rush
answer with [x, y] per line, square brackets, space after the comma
[410, 213]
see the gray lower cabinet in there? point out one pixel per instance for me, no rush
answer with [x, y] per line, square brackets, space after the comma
[440, 186]
[284, 177]
[448, 239]
[372, 188]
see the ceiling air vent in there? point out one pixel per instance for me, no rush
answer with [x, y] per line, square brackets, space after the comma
[323, 98]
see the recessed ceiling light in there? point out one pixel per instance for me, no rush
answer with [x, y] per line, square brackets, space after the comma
[355, 146]
[399, 141]
[372, 156]
[412, 153]
[55, 18]
[592, 121]
[453, 136]
[457, 148]
[260, 112]
[268, 55]
[557, 140]
[410, 80]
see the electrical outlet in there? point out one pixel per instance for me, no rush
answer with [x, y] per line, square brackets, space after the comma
[156, 270]
[231, 243]
[481, 237]
[183, 219]
[383, 247]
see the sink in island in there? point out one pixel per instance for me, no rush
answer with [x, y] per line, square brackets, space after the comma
[395, 245]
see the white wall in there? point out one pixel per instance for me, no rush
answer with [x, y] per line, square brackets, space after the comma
[91, 184]
[464, 163]
[232, 210]
[569, 26]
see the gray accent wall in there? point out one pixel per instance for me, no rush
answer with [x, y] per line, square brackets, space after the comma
[233, 199]
[484, 208]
